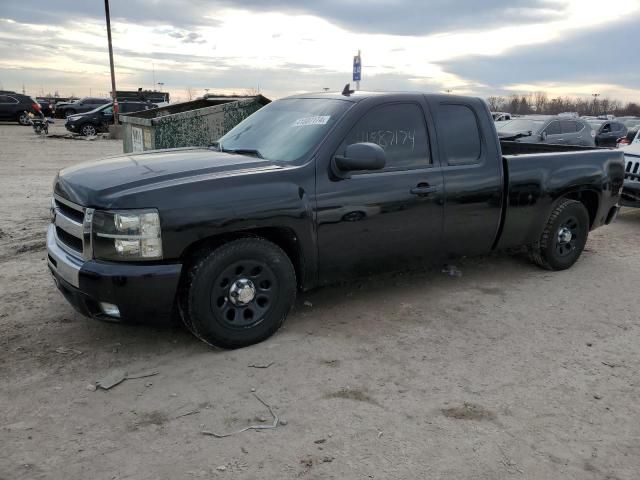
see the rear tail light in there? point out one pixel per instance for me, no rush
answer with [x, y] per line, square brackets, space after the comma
[36, 107]
[623, 141]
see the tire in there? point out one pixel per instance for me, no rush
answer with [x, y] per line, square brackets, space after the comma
[23, 119]
[88, 130]
[563, 238]
[239, 293]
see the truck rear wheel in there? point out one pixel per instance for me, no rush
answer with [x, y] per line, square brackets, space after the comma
[563, 238]
[239, 293]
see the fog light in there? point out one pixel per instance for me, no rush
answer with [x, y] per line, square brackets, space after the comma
[110, 309]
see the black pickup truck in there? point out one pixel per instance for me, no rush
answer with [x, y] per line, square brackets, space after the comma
[309, 190]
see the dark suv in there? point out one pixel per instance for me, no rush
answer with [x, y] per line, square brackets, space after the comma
[608, 132]
[99, 119]
[555, 130]
[86, 104]
[16, 107]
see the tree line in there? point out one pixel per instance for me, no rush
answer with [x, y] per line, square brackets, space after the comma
[541, 103]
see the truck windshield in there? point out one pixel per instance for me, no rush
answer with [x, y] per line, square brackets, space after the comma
[521, 125]
[285, 130]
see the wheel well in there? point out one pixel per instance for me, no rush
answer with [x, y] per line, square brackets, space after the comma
[589, 199]
[283, 237]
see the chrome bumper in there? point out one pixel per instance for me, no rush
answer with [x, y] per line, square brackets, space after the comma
[65, 265]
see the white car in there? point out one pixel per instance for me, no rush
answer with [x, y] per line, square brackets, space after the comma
[631, 189]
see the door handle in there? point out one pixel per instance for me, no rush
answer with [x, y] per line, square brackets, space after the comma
[423, 189]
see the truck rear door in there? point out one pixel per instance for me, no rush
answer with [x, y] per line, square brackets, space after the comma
[384, 219]
[472, 172]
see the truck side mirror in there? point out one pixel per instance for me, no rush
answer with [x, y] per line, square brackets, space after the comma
[359, 156]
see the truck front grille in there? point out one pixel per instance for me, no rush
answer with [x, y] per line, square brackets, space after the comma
[69, 222]
[69, 240]
[632, 168]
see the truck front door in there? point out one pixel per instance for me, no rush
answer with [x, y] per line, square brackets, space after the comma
[385, 219]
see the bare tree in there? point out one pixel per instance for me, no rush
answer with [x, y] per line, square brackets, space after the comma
[496, 103]
[540, 101]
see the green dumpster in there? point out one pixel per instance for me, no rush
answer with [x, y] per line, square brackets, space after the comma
[189, 124]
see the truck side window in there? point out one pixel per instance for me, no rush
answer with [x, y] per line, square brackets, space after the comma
[399, 129]
[459, 134]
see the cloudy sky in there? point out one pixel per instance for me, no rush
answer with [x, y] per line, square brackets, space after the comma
[480, 47]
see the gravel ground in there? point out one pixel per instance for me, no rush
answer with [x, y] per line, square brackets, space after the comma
[508, 371]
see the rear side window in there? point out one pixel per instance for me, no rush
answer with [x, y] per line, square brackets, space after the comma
[553, 128]
[459, 134]
[399, 129]
[7, 99]
[568, 126]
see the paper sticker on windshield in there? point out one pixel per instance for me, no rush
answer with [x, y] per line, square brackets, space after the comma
[316, 120]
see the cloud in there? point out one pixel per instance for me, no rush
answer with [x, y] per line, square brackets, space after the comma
[414, 17]
[397, 17]
[603, 55]
[183, 13]
[203, 44]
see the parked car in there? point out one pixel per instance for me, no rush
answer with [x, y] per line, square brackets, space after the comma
[630, 122]
[310, 190]
[629, 138]
[86, 104]
[47, 106]
[608, 132]
[16, 107]
[548, 129]
[99, 119]
[631, 190]
[500, 116]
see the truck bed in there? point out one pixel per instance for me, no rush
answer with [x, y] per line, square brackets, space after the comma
[534, 181]
[523, 148]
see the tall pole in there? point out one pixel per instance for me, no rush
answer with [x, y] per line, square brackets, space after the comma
[595, 102]
[358, 82]
[113, 72]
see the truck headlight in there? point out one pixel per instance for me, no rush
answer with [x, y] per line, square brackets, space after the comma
[127, 235]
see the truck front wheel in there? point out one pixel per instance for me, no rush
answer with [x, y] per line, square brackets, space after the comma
[563, 238]
[239, 293]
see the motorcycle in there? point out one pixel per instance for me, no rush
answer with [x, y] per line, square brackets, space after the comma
[40, 124]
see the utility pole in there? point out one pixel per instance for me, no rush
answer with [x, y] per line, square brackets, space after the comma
[595, 102]
[113, 73]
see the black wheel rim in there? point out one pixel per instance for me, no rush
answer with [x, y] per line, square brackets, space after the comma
[567, 237]
[232, 302]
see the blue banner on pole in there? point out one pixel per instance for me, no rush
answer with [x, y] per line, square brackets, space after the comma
[357, 69]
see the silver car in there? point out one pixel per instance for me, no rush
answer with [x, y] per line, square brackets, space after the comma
[548, 129]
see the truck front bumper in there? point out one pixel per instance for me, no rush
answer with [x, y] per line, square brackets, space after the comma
[139, 292]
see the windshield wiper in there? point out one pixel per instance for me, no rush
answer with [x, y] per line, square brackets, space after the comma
[242, 151]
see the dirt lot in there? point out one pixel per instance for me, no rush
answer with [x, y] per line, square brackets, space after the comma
[505, 372]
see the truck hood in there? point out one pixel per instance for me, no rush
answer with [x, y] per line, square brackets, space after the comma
[97, 183]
